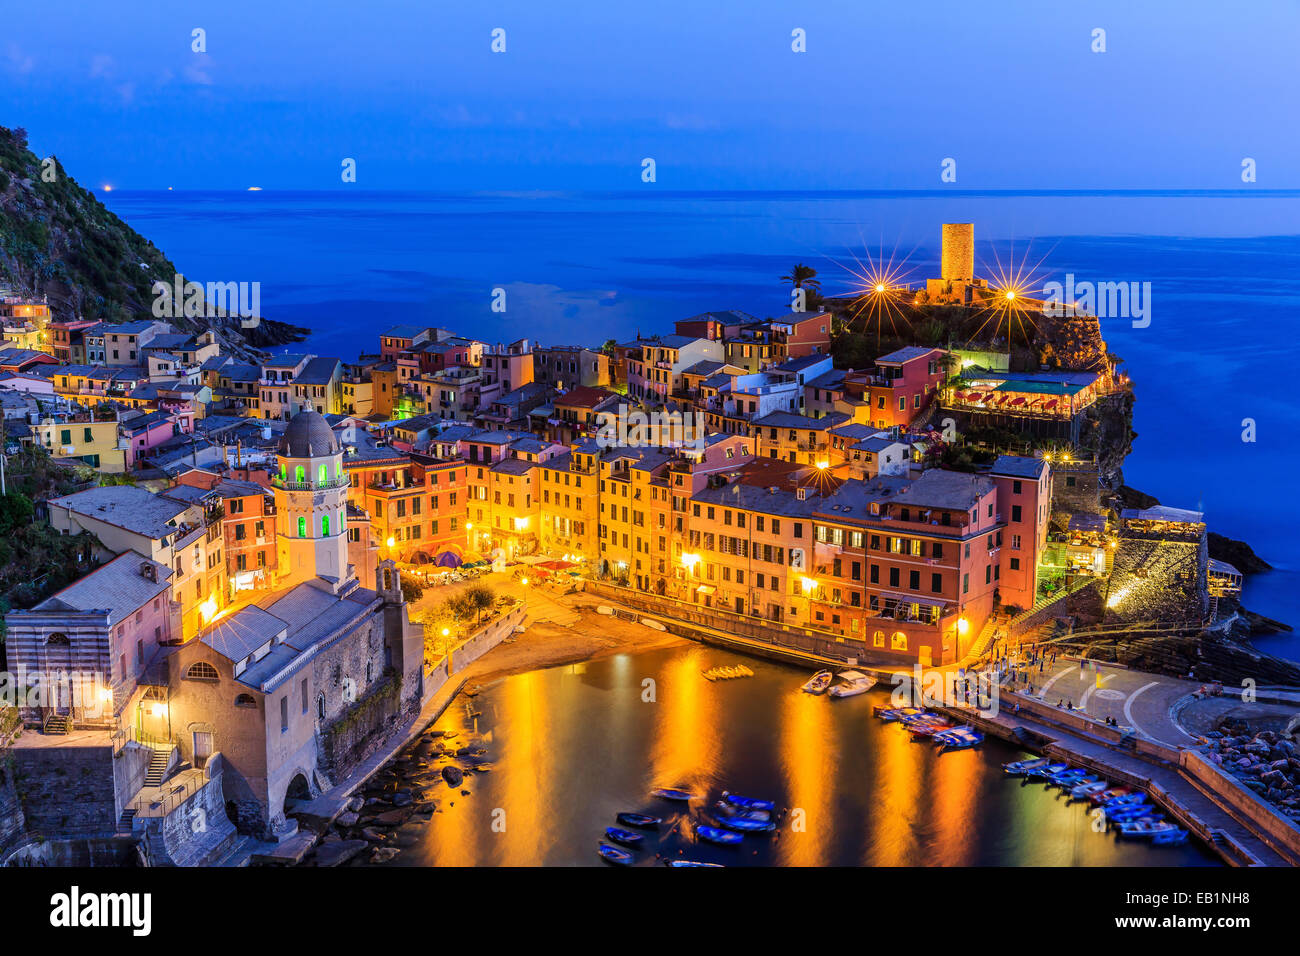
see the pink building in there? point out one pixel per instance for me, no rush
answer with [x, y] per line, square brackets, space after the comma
[147, 432]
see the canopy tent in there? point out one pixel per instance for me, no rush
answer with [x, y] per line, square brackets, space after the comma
[447, 560]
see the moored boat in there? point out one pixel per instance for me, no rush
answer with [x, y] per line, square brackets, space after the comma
[818, 683]
[854, 683]
[1046, 769]
[1107, 795]
[625, 837]
[1169, 837]
[685, 863]
[960, 739]
[718, 835]
[1018, 767]
[642, 820]
[672, 793]
[1142, 829]
[747, 803]
[1083, 791]
[740, 813]
[745, 825]
[612, 854]
[891, 714]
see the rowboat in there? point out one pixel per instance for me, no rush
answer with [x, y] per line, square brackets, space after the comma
[727, 672]
[928, 728]
[745, 825]
[1126, 800]
[1130, 811]
[1169, 837]
[1017, 767]
[1107, 795]
[1140, 829]
[642, 820]
[739, 813]
[1069, 778]
[625, 837]
[717, 835]
[855, 682]
[1047, 769]
[959, 739]
[681, 863]
[670, 793]
[1083, 791]
[890, 714]
[818, 683]
[612, 854]
[747, 803]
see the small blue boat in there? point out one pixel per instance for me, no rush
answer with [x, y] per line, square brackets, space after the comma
[1018, 767]
[716, 835]
[680, 863]
[625, 837]
[1127, 799]
[612, 854]
[642, 820]
[959, 739]
[726, 809]
[889, 714]
[747, 803]
[1047, 769]
[743, 825]
[1070, 778]
[670, 793]
[1169, 837]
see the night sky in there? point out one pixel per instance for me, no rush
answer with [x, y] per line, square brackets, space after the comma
[586, 90]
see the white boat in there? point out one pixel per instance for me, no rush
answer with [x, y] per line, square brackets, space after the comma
[818, 683]
[854, 683]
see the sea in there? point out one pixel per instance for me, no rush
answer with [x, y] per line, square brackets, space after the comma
[1210, 358]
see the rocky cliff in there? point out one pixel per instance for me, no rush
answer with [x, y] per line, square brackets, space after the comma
[60, 242]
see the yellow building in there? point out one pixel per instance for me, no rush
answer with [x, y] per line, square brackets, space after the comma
[85, 436]
[570, 516]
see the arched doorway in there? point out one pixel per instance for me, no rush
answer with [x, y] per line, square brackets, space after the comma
[58, 672]
[298, 791]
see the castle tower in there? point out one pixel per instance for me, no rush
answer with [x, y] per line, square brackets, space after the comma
[958, 260]
[311, 494]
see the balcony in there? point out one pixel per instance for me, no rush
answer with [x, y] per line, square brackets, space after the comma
[310, 485]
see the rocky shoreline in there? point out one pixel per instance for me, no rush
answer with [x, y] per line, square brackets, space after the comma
[1266, 762]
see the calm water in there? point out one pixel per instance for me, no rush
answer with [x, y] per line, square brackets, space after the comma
[1224, 269]
[573, 746]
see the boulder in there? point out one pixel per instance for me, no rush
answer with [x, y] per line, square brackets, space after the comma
[452, 775]
[347, 819]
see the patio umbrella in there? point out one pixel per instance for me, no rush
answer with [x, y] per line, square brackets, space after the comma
[447, 560]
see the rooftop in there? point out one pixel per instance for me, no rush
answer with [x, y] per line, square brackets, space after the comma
[126, 506]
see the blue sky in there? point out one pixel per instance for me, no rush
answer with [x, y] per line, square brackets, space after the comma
[711, 91]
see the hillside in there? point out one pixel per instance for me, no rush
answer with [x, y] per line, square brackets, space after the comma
[59, 241]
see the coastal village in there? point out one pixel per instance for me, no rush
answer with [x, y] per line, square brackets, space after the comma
[254, 612]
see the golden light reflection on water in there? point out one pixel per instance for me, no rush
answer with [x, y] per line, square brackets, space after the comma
[898, 787]
[809, 760]
[953, 796]
[689, 724]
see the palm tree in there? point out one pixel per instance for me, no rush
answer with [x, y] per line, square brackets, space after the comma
[803, 277]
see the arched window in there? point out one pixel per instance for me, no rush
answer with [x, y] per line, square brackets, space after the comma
[202, 670]
[320, 706]
[370, 671]
[324, 526]
[323, 472]
[58, 640]
[878, 639]
[245, 700]
[302, 527]
[898, 642]
[300, 474]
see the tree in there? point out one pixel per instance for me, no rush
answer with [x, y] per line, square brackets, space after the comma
[478, 599]
[16, 511]
[609, 346]
[803, 277]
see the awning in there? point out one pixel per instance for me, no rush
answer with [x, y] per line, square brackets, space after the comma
[706, 589]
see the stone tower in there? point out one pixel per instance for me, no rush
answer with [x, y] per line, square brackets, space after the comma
[958, 260]
[311, 494]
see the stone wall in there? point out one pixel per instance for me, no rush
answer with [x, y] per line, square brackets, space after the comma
[1076, 489]
[196, 832]
[66, 791]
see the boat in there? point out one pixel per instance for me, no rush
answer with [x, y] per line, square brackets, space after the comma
[746, 825]
[1069, 778]
[1018, 767]
[718, 835]
[671, 793]
[642, 820]
[727, 672]
[890, 714]
[1128, 798]
[1083, 791]
[1107, 795]
[1047, 769]
[747, 803]
[689, 863]
[855, 682]
[1137, 811]
[818, 683]
[739, 813]
[960, 739]
[625, 837]
[928, 728]
[1169, 837]
[1141, 829]
[612, 854]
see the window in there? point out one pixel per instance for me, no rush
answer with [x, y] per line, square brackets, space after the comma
[245, 700]
[1015, 512]
[322, 475]
[284, 713]
[202, 670]
[303, 689]
[302, 527]
[320, 706]
[300, 474]
[325, 526]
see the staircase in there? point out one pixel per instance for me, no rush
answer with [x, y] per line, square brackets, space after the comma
[56, 724]
[158, 768]
[125, 821]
